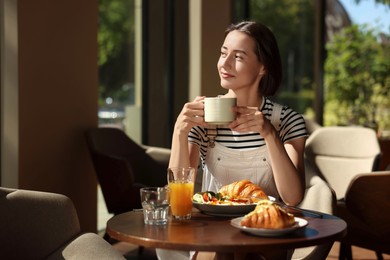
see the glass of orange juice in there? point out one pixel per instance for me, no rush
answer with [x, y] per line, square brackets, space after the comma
[181, 184]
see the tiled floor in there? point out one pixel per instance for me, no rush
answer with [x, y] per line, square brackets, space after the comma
[131, 251]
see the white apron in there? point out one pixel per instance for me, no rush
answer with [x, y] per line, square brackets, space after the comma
[225, 165]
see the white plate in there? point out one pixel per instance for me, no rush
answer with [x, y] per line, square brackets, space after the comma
[221, 210]
[300, 223]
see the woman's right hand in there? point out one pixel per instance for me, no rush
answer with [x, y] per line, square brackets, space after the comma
[192, 114]
[182, 152]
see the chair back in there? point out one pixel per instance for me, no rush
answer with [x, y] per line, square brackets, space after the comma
[122, 167]
[35, 224]
[318, 197]
[340, 153]
[366, 210]
[45, 225]
[368, 196]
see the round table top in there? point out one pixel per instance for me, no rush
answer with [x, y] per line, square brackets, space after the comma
[208, 233]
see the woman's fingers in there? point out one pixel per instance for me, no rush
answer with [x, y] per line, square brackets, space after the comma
[194, 108]
[199, 99]
[249, 119]
[193, 113]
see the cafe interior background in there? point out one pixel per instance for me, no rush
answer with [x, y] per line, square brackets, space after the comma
[68, 66]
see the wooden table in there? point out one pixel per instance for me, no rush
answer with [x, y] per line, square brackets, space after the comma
[215, 234]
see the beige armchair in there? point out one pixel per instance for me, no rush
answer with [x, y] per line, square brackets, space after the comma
[340, 153]
[318, 197]
[41, 225]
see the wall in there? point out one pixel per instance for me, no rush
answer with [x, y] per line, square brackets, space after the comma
[206, 38]
[213, 35]
[57, 87]
[57, 99]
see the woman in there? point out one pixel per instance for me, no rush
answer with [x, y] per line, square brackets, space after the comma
[265, 143]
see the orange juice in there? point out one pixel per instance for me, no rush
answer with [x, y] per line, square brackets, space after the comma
[181, 198]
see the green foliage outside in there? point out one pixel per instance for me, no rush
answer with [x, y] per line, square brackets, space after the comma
[116, 47]
[356, 70]
[293, 25]
[357, 78]
[301, 101]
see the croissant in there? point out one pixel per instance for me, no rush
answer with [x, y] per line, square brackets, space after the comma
[268, 214]
[243, 189]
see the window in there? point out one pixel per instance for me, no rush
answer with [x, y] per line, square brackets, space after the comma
[357, 79]
[293, 25]
[117, 74]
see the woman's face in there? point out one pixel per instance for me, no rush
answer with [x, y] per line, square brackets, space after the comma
[238, 65]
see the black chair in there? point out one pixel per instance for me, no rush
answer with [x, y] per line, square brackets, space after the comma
[123, 167]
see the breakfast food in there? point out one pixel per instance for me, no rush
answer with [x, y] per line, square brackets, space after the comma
[268, 214]
[236, 193]
[210, 197]
[243, 189]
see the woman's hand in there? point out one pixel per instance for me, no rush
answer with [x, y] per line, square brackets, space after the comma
[250, 119]
[192, 114]
[286, 159]
[182, 153]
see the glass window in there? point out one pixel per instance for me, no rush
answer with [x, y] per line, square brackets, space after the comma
[116, 59]
[293, 25]
[357, 79]
[355, 98]
[116, 40]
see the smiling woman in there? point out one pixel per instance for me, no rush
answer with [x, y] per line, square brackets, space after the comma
[263, 146]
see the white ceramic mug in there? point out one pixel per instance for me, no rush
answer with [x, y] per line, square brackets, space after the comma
[219, 110]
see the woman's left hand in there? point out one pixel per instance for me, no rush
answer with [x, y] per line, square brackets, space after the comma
[250, 119]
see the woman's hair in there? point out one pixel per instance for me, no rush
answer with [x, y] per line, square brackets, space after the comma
[267, 52]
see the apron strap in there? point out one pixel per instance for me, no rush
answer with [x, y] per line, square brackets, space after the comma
[212, 134]
[276, 115]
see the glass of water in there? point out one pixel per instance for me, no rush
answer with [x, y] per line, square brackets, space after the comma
[155, 205]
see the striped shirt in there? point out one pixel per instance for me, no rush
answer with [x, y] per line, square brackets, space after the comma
[292, 126]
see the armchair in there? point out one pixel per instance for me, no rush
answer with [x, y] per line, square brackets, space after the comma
[42, 225]
[318, 197]
[366, 210]
[123, 167]
[340, 153]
